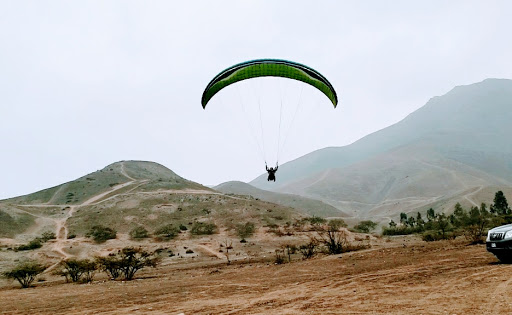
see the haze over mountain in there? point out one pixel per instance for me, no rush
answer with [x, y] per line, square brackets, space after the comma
[307, 205]
[453, 147]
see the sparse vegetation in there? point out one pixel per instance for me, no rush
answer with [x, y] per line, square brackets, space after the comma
[25, 273]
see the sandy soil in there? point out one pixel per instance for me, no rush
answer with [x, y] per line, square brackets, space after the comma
[396, 277]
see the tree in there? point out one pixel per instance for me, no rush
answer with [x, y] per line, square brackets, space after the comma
[133, 259]
[419, 221]
[431, 215]
[366, 226]
[500, 206]
[25, 273]
[245, 230]
[337, 223]
[75, 269]
[442, 224]
[411, 221]
[89, 268]
[111, 265]
[392, 224]
[403, 218]
[474, 225]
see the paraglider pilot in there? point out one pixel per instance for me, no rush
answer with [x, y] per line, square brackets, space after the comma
[271, 172]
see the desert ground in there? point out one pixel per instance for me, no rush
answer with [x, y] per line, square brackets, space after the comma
[399, 275]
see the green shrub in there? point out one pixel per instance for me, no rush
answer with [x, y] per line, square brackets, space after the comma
[166, 232]
[139, 233]
[245, 230]
[33, 244]
[202, 228]
[183, 228]
[46, 236]
[101, 234]
[365, 226]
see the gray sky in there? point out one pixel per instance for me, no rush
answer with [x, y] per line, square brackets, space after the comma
[87, 83]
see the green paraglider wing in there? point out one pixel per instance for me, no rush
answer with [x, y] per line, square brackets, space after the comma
[269, 68]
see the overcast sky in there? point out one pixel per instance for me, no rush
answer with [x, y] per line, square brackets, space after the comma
[87, 83]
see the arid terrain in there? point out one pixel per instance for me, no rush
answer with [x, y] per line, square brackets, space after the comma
[393, 275]
[400, 275]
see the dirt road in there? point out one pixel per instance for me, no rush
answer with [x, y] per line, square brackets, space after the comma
[421, 278]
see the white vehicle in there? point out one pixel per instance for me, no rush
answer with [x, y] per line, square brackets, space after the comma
[499, 242]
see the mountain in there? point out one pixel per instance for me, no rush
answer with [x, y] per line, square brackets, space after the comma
[306, 205]
[128, 194]
[451, 147]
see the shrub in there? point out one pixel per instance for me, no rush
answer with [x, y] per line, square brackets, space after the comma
[279, 257]
[25, 273]
[202, 228]
[365, 226]
[183, 228]
[431, 236]
[166, 232]
[46, 236]
[33, 244]
[245, 230]
[139, 233]
[189, 251]
[101, 234]
[308, 250]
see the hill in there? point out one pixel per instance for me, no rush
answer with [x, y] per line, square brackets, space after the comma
[303, 204]
[128, 194]
[454, 145]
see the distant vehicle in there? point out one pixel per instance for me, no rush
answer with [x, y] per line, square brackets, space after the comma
[499, 242]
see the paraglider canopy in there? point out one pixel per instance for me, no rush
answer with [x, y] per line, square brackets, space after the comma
[266, 68]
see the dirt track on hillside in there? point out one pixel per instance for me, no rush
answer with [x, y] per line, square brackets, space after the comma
[413, 278]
